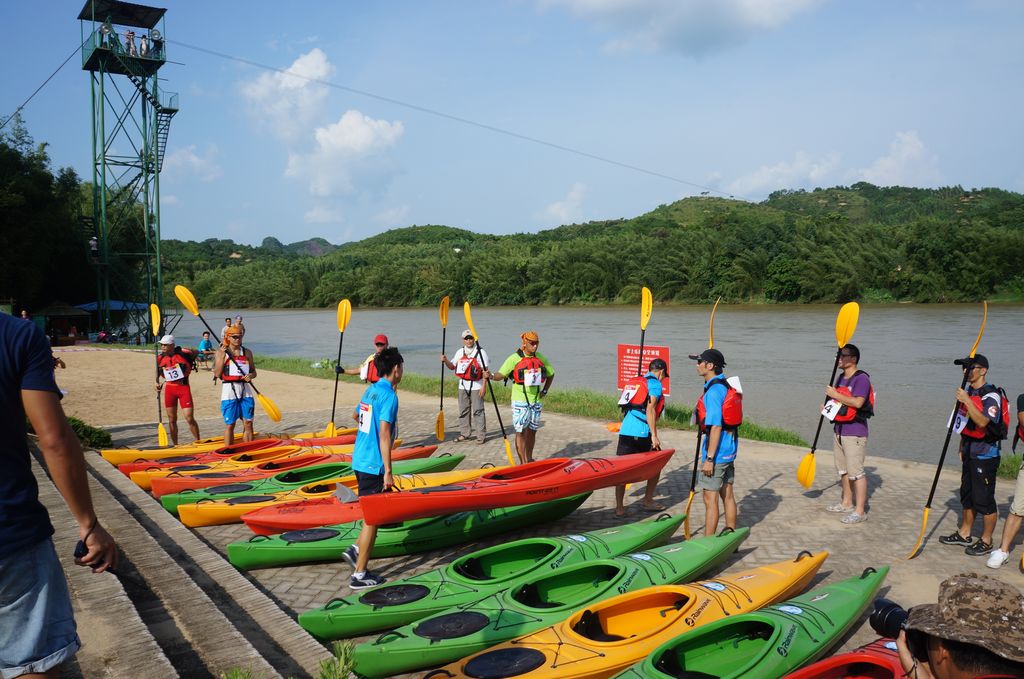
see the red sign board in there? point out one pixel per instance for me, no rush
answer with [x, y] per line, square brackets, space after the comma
[629, 360]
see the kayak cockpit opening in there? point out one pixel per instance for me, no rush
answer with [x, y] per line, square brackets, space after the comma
[505, 561]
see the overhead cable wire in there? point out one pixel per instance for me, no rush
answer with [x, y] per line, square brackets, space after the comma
[25, 103]
[452, 117]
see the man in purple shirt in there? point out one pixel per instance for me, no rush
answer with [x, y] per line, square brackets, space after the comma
[849, 408]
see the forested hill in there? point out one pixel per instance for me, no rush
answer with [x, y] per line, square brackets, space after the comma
[861, 242]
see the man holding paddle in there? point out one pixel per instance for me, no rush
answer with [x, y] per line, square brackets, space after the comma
[236, 368]
[719, 447]
[174, 364]
[980, 423]
[642, 401]
[849, 407]
[531, 374]
[468, 364]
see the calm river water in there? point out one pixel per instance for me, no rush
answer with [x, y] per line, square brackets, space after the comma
[781, 353]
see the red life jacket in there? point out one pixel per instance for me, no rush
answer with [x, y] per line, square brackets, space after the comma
[638, 393]
[229, 368]
[372, 375]
[849, 414]
[525, 365]
[178, 358]
[732, 406]
[974, 431]
[473, 372]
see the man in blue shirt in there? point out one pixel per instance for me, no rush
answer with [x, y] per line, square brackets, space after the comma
[37, 627]
[718, 449]
[979, 421]
[642, 402]
[377, 416]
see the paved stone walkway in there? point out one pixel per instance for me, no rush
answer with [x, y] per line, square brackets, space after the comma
[783, 517]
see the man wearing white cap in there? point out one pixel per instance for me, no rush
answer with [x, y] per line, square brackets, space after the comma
[174, 364]
[468, 364]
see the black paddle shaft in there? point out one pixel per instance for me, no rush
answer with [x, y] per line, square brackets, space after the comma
[230, 357]
[821, 419]
[497, 411]
[337, 375]
[949, 435]
[640, 364]
[696, 458]
[444, 330]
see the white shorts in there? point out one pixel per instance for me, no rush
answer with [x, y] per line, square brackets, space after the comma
[526, 416]
[850, 452]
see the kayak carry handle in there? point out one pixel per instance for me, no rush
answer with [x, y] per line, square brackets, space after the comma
[337, 600]
[663, 516]
[173, 473]
[802, 554]
[726, 531]
[259, 538]
[488, 465]
[393, 632]
[437, 672]
[867, 571]
[677, 606]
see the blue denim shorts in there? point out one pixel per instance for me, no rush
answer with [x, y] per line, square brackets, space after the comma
[37, 626]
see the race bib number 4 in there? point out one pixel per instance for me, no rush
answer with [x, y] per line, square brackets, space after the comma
[174, 374]
[532, 377]
[365, 418]
[831, 409]
[628, 393]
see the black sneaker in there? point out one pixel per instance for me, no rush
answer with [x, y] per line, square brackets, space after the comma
[979, 548]
[350, 555]
[955, 538]
[368, 580]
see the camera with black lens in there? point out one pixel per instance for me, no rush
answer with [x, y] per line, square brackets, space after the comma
[888, 618]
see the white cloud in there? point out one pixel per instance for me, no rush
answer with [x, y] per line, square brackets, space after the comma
[569, 209]
[169, 199]
[322, 214]
[187, 162]
[908, 163]
[800, 172]
[693, 27]
[289, 102]
[354, 144]
[392, 216]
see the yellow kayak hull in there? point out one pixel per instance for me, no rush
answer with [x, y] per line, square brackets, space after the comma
[612, 635]
[225, 511]
[126, 455]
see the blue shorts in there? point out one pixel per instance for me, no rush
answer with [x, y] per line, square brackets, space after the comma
[37, 626]
[238, 409]
[525, 416]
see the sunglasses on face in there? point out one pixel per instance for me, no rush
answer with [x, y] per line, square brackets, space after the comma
[235, 336]
[532, 343]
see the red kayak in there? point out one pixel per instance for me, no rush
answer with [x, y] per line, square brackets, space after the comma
[176, 484]
[537, 481]
[248, 447]
[324, 511]
[877, 660]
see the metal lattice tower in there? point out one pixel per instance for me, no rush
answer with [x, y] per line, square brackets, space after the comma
[131, 119]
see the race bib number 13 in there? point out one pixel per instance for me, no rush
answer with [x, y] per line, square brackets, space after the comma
[174, 374]
[365, 418]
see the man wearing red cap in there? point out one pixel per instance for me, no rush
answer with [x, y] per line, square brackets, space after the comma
[368, 370]
[531, 374]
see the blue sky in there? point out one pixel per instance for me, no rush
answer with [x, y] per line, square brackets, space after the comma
[739, 97]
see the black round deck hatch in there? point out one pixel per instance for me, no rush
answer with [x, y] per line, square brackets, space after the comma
[504, 662]
[309, 535]
[394, 595]
[452, 625]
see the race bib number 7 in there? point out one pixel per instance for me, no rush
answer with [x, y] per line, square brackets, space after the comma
[365, 418]
[174, 374]
[532, 377]
[831, 409]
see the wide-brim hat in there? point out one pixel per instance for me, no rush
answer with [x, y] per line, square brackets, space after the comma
[978, 610]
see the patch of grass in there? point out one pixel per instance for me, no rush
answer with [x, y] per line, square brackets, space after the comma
[578, 402]
[91, 437]
[1009, 466]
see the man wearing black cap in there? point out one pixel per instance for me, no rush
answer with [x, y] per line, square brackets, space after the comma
[975, 631]
[718, 449]
[642, 403]
[980, 422]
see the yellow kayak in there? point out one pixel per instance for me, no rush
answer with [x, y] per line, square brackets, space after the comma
[118, 456]
[609, 636]
[230, 510]
[144, 478]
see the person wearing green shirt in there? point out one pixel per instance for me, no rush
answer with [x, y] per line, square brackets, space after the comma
[531, 374]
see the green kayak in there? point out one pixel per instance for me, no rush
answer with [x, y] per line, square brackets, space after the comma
[478, 575]
[409, 537]
[297, 478]
[767, 643]
[541, 600]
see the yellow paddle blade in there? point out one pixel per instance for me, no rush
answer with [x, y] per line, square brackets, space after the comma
[846, 323]
[469, 322]
[187, 299]
[646, 307]
[920, 538]
[443, 311]
[613, 426]
[508, 446]
[344, 314]
[330, 430]
[154, 318]
[273, 412]
[686, 521]
[805, 472]
[981, 331]
[161, 434]
[439, 426]
[711, 327]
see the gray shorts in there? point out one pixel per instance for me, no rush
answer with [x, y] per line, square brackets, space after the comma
[724, 473]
